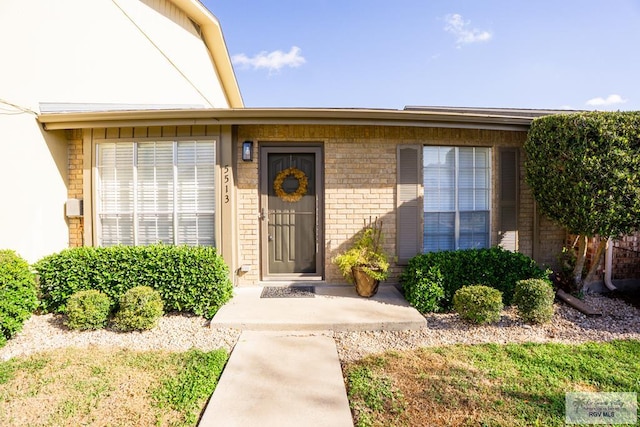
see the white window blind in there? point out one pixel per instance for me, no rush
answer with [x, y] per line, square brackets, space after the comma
[456, 197]
[150, 192]
[195, 194]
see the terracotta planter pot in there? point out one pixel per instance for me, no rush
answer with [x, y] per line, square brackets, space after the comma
[366, 286]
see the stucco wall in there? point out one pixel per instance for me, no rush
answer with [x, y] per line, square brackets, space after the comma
[360, 182]
[127, 51]
[78, 51]
[33, 179]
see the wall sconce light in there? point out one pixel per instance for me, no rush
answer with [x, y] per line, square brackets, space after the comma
[247, 151]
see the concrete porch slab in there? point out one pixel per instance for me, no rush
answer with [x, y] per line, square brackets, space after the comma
[335, 307]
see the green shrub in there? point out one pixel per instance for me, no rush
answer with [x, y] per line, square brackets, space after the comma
[582, 169]
[88, 310]
[478, 303]
[139, 309]
[427, 290]
[18, 294]
[189, 279]
[451, 270]
[534, 300]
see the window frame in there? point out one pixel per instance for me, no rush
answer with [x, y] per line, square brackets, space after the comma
[176, 209]
[456, 196]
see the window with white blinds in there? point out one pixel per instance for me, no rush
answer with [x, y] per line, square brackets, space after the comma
[151, 192]
[456, 184]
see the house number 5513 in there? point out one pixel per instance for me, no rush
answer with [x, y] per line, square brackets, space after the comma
[226, 179]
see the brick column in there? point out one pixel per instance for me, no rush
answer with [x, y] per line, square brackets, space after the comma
[75, 185]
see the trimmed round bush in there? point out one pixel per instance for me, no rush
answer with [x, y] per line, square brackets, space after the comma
[18, 294]
[534, 300]
[139, 310]
[88, 310]
[478, 304]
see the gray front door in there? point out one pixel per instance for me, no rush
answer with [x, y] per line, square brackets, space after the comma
[290, 201]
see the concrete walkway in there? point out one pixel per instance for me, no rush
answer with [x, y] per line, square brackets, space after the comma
[284, 370]
[278, 380]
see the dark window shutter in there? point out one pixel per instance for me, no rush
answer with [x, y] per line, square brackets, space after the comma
[409, 203]
[508, 198]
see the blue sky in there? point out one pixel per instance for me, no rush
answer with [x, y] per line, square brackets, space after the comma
[576, 54]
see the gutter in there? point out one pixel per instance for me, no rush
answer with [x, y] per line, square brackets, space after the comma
[608, 266]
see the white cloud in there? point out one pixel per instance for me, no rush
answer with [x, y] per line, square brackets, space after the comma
[464, 34]
[272, 61]
[609, 100]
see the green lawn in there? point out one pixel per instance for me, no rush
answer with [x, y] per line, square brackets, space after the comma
[114, 387]
[486, 385]
[479, 385]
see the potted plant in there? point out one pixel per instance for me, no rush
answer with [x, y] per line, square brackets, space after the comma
[365, 263]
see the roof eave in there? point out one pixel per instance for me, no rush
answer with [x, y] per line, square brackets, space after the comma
[259, 116]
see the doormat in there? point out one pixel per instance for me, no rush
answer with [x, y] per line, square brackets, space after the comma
[288, 292]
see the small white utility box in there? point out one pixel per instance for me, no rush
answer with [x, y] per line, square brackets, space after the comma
[74, 208]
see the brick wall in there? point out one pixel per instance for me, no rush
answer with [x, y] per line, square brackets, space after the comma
[626, 256]
[247, 202]
[360, 182]
[551, 238]
[75, 185]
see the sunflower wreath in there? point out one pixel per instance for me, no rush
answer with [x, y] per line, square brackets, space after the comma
[302, 185]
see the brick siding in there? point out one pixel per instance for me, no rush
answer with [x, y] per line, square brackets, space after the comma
[360, 182]
[75, 185]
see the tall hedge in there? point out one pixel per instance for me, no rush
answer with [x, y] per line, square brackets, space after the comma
[18, 294]
[189, 279]
[441, 274]
[583, 170]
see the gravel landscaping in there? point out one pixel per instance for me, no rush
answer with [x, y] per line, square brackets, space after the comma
[180, 332]
[619, 321]
[174, 333]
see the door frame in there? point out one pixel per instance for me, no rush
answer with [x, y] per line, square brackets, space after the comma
[266, 148]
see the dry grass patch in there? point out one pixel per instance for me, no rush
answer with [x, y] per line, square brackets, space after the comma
[486, 385]
[93, 387]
